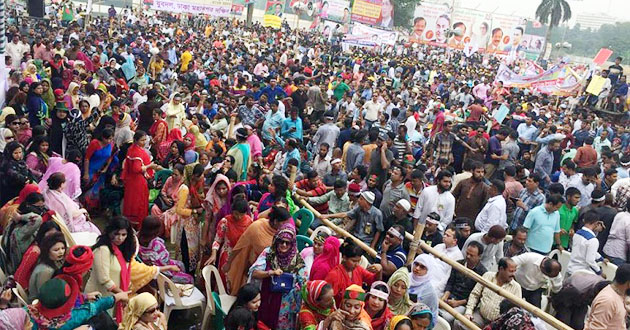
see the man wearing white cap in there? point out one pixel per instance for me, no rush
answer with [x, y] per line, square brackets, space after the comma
[335, 174]
[365, 221]
[400, 216]
[623, 171]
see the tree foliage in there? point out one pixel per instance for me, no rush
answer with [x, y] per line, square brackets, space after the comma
[588, 42]
[403, 12]
[553, 12]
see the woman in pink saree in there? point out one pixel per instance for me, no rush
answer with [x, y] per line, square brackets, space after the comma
[69, 168]
[57, 200]
[168, 195]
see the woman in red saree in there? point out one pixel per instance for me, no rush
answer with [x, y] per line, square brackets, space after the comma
[136, 168]
[158, 131]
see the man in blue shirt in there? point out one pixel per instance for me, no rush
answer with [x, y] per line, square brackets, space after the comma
[273, 120]
[543, 223]
[526, 134]
[272, 91]
[495, 154]
[392, 255]
[292, 126]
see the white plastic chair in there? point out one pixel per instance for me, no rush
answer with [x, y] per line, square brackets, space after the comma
[176, 301]
[20, 294]
[3, 276]
[209, 272]
[321, 229]
[80, 238]
[364, 262]
[609, 270]
[563, 259]
[442, 324]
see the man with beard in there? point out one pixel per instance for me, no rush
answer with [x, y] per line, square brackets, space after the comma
[437, 198]
[471, 194]
[516, 246]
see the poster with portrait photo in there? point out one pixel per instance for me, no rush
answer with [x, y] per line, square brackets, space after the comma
[431, 23]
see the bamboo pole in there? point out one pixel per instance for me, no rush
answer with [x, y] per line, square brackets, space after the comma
[457, 266]
[507, 295]
[417, 235]
[461, 318]
[231, 127]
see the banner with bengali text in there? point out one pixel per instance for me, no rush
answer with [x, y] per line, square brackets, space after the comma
[217, 8]
[374, 12]
[367, 36]
[560, 80]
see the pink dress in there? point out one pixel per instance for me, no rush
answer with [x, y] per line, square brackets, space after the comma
[72, 172]
[156, 254]
[68, 209]
[170, 189]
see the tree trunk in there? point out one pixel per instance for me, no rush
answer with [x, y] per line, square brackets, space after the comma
[250, 13]
[547, 37]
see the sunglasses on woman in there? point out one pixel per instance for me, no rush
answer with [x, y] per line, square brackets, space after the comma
[150, 311]
[283, 242]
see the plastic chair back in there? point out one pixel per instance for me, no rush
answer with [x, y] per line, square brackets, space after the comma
[303, 241]
[305, 217]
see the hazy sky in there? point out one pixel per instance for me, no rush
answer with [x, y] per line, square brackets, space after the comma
[527, 8]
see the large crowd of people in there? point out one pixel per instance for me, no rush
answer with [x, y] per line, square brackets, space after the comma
[206, 137]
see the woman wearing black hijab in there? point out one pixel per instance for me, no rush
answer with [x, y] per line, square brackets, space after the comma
[15, 173]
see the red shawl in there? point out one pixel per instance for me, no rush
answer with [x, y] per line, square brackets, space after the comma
[125, 279]
[236, 228]
[135, 153]
[379, 323]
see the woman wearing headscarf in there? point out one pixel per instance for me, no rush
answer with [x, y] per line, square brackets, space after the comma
[6, 136]
[175, 112]
[143, 313]
[20, 234]
[216, 198]
[514, 319]
[18, 101]
[68, 166]
[38, 155]
[72, 97]
[9, 209]
[3, 115]
[317, 304]
[422, 317]
[30, 73]
[59, 121]
[399, 322]
[35, 106]
[422, 274]
[190, 155]
[229, 230]
[398, 300]
[355, 318]
[158, 132]
[48, 95]
[75, 217]
[123, 134]
[175, 155]
[326, 260]
[258, 236]
[15, 172]
[76, 131]
[164, 147]
[376, 305]
[279, 307]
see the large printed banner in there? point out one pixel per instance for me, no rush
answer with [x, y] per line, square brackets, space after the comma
[374, 12]
[560, 80]
[366, 36]
[273, 13]
[439, 25]
[205, 7]
[335, 10]
[238, 6]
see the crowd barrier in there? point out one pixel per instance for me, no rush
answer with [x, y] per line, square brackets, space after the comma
[549, 319]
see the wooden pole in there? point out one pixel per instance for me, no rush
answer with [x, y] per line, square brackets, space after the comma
[231, 127]
[417, 235]
[338, 229]
[457, 266]
[502, 292]
[461, 318]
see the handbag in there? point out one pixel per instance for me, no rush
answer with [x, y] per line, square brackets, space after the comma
[161, 204]
[282, 283]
